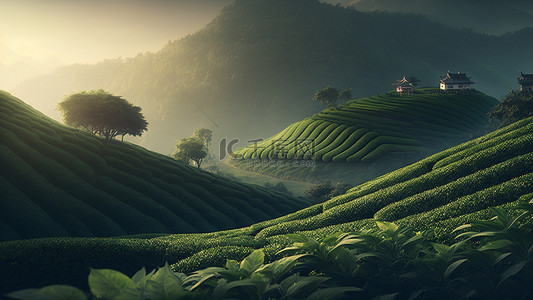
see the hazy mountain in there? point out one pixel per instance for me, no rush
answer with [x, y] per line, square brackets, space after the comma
[254, 69]
[485, 16]
[15, 67]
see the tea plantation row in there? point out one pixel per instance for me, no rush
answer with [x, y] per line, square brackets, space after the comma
[366, 129]
[441, 192]
[58, 181]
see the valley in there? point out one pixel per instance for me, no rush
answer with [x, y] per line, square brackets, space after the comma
[234, 182]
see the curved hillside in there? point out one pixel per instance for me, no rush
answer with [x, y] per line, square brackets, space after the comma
[441, 192]
[58, 181]
[366, 130]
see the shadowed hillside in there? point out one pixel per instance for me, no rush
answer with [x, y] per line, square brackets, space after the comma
[441, 192]
[492, 17]
[254, 68]
[58, 181]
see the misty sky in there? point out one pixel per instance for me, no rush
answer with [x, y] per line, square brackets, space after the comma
[78, 31]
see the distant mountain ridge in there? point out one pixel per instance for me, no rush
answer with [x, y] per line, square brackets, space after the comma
[254, 69]
[492, 17]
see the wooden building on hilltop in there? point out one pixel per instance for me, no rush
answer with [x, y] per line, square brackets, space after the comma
[404, 86]
[455, 82]
[526, 82]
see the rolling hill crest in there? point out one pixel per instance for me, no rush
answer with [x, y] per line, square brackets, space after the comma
[58, 181]
[372, 135]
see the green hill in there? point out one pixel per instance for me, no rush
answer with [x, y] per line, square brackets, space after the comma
[443, 191]
[57, 181]
[391, 127]
[257, 65]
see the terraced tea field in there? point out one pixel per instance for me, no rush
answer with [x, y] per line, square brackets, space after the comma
[58, 181]
[366, 130]
[440, 192]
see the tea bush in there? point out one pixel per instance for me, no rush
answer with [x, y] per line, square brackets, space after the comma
[492, 259]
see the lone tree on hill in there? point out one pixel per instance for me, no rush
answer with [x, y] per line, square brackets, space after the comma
[515, 106]
[329, 96]
[102, 113]
[194, 148]
[190, 149]
[205, 135]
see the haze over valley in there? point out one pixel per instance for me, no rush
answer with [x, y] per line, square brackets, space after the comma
[266, 149]
[266, 60]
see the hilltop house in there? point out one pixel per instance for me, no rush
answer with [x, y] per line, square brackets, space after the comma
[526, 82]
[455, 82]
[404, 86]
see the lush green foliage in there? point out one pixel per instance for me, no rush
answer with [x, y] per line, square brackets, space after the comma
[195, 148]
[58, 181]
[377, 134]
[494, 170]
[330, 95]
[204, 134]
[102, 113]
[190, 149]
[494, 259]
[369, 128]
[516, 105]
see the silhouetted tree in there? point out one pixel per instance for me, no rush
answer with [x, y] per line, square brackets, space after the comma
[205, 135]
[414, 81]
[102, 113]
[515, 106]
[190, 149]
[345, 94]
[329, 96]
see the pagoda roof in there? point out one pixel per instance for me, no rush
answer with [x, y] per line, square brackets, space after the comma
[456, 78]
[404, 83]
[525, 79]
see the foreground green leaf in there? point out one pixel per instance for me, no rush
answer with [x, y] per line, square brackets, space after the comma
[111, 284]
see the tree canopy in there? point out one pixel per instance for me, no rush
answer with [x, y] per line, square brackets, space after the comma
[204, 134]
[515, 106]
[194, 148]
[329, 95]
[102, 113]
[190, 149]
[414, 81]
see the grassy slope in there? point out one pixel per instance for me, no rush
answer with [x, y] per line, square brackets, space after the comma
[57, 181]
[364, 131]
[440, 192]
